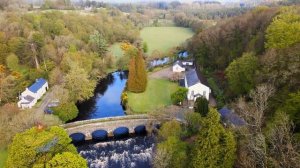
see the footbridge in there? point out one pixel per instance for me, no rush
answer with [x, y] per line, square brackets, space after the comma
[87, 127]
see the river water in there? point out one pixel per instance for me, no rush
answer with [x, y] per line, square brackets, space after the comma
[135, 152]
[106, 101]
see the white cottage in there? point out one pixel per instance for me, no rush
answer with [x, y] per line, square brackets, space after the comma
[178, 67]
[32, 94]
[195, 87]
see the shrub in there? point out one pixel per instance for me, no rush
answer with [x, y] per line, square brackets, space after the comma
[201, 106]
[66, 111]
[179, 96]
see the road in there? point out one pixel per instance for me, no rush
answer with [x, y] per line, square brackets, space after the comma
[46, 99]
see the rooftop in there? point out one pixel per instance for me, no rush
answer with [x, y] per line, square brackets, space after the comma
[192, 77]
[39, 83]
[230, 116]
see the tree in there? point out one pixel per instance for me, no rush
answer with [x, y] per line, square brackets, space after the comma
[98, 43]
[37, 146]
[292, 109]
[66, 111]
[201, 106]
[193, 122]
[67, 159]
[145, 47]
[179, 96]
[283, 149]
[172, 154]
[79, 85]
[284, 31]
[215, 146]
[171, 128]
[241, 73]
[12, 62]
[137, 77]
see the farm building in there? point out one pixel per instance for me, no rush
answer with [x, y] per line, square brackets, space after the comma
[32, 94]
[178, 67]
[195, 87]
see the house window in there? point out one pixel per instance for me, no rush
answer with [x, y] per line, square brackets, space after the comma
[204, 93]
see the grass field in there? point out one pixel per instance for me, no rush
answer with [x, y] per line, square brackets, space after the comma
[164, 38]
[116, 50]
[157, 94]
[3, 156]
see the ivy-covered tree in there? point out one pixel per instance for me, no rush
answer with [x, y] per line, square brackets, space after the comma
[215, 146]
[37, 146]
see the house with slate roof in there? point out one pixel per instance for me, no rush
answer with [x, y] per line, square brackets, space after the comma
[32, 94]
[228, 116]
[195, 87]
[178, 67]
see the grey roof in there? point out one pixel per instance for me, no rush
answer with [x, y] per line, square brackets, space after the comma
[191, 77]
[29, 98]
[179, 63]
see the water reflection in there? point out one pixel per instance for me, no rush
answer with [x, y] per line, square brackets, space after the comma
[106, 101]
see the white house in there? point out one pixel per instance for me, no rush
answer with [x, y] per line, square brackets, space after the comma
[187, 63]
[32, 94]
[178, 67]
[195, 87]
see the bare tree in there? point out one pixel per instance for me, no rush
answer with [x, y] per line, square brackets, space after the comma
[282, 149]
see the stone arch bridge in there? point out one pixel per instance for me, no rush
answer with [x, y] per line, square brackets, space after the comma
[109, 124]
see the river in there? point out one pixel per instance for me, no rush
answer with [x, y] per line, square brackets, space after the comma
[106, 101]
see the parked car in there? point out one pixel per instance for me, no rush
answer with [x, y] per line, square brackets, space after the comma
[48, 111]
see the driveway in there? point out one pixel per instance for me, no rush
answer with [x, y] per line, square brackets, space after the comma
[164, 73]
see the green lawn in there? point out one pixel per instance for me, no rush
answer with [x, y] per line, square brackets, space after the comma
[157, 94]
[116, 50]
[3, 156]
[164, 38]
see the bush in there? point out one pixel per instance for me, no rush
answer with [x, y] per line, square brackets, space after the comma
[66, 111]
[201, 106]
[179, 96]
[124, 98]
[170, 129]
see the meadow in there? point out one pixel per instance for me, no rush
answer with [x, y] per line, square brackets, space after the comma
[157, 94]
[164, 38]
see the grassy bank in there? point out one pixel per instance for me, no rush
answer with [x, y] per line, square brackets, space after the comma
[164, 38]
[157, 94]
[3, 156]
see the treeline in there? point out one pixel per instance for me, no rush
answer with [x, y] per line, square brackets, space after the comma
[69, 49]
[253, 62]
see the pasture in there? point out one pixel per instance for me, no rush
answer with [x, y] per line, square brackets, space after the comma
[164, 38]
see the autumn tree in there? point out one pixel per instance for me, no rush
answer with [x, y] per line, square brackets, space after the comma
[37, 146]
[78, 83]
[137, 77]
[284, 30]
[215, 146]
[98, 43]
[67, 159]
